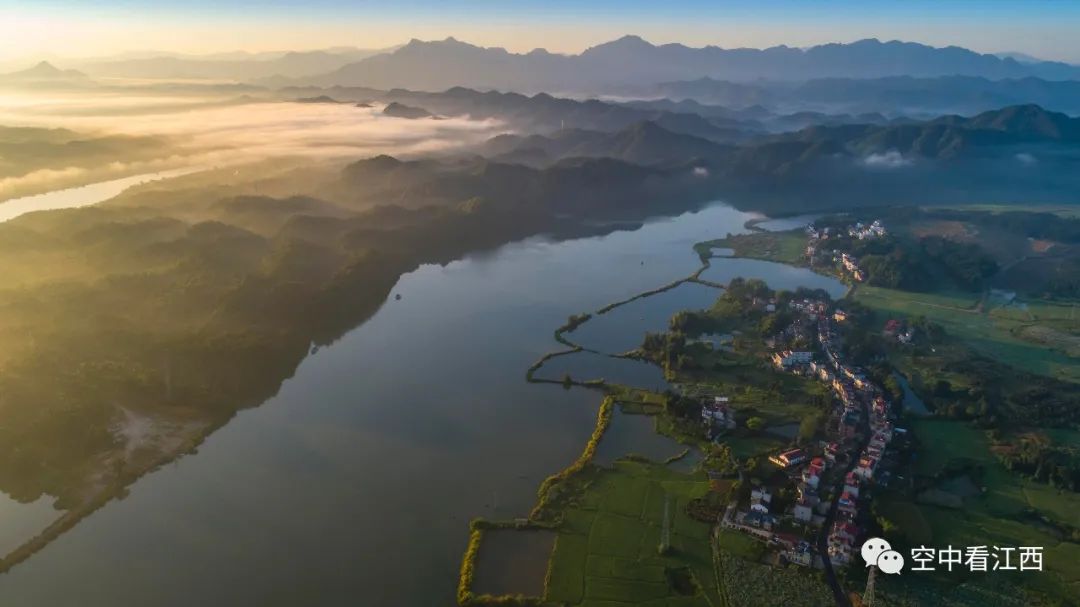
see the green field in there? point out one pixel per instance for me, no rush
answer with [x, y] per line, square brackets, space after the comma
[740, 544]
[749, 584]
[999, 516]
[606, 552]
[756, 389]
[1057, 209]
[784, 247]
[1038, 337]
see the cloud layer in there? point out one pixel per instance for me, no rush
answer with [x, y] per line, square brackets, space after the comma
[889, 160]
[210, 132]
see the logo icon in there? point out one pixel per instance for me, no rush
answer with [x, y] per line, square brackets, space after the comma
[890, 561]
[876, 551]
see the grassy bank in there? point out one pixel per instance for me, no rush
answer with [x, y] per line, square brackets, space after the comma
[782, 247]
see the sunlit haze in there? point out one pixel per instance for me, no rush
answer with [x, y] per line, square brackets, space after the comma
[1042, 28]
[521, 303]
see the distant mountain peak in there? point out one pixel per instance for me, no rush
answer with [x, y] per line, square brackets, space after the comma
[629, 42]
[44, 70]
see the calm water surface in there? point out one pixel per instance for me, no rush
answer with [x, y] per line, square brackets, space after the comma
[354, 485]
[81, 196]
[624, 327]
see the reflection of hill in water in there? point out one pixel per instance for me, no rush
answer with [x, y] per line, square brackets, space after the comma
[187, 310]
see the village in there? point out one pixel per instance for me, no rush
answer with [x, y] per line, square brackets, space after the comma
[832, 478]
[848, 264]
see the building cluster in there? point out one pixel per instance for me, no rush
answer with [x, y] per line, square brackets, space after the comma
[764, 521]
[788, 459]
[717, 416]
[789, 359]
[847, 262]
[866, 232]
[851, 265]
[864, 425]
[860, 431]
[898, 330]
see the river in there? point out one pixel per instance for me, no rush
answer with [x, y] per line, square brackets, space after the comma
[81, 196]
[355, 483]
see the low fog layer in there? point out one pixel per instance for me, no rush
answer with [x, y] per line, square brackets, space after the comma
[213, 133]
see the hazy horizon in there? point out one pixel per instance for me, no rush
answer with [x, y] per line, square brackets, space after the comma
[1042, 29]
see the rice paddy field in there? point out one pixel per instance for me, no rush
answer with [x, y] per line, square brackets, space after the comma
[1000, 514]
[606, 553]
[1039, 337]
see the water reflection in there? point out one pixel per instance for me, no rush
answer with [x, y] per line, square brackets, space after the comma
[623, 328]
[81, 196]
[19, 522]
[777, 275]
[587, 366]
[513, 561]
[631, 433]
[359, 477]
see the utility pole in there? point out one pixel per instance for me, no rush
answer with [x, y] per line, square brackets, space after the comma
[868, 594]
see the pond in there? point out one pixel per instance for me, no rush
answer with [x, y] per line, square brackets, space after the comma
[623, 328]
[512, 561]
[777, 275]
[911, 401]
[636, 434]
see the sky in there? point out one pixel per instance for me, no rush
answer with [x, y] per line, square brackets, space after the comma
[65, 28]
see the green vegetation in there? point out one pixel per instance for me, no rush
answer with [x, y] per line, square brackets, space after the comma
[961, 491]
[572, 323]
[180, 303]
[1038, 337]
[749, 584]
[559, 487]
[998, 507]
[740, 545]
[606, 553]
[55, 158]
[783, 247]
[758, 392]
[465, 594]
[466, 597]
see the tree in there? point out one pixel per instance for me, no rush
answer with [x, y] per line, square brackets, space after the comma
[809, 426]
[755, 423]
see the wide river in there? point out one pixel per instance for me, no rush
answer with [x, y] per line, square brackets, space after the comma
[354, 485]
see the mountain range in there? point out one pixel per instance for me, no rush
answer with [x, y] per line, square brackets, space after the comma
[630, 60]
[1021, 150]
[541, 112]
[1017, 132]
[45, 74]
[936, 95]
[240, 67]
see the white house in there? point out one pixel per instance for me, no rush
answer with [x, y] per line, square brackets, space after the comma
[803, 512]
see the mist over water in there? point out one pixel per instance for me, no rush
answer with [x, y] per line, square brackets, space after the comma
[212, 131]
